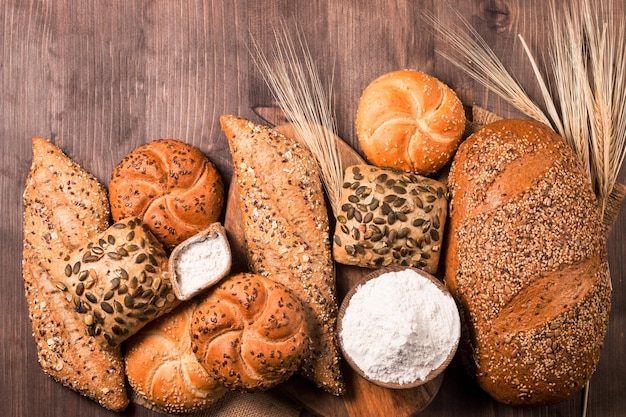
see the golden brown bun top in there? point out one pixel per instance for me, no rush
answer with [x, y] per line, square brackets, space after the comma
[171, 186]
[163, 370]
[250, 332]
[409, 121]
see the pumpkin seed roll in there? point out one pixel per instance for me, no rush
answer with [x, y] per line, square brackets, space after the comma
[390, 218]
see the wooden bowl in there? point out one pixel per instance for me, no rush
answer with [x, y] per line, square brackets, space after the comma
[434, 373]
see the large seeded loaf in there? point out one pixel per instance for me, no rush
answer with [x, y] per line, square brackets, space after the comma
[286, 232]
[64, 208]
[526, 261]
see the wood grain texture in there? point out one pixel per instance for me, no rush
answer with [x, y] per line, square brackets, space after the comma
[100, 78]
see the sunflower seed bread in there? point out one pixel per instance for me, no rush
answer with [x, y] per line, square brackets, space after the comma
[526, 261]
[287, 234]
[390, 218]
[65, 207]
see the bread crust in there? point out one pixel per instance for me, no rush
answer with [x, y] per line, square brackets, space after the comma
[162, 368]
[250, 332]
[171, 186]
[287, 232]
[409, 121]
[64, 207]
[526, 260]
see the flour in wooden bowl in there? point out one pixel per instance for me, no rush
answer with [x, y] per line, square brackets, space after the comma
[399, 327]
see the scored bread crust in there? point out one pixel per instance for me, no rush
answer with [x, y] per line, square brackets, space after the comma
[250, 332]
[526, 260]
[171, 186]
[409, 121]
[286, 232]
[64, 207]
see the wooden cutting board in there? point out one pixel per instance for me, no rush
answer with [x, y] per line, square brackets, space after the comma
[362, 397]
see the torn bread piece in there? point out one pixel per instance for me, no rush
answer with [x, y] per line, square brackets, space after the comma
[200, 262]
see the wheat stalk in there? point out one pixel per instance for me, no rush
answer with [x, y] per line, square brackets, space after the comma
[588, 65]
[472, 54]
[296, 86]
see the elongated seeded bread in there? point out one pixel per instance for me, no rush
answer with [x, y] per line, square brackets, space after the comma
[64, 207]
[526, 261]
[287, 232]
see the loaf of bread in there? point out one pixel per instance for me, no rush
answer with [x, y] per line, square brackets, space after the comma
[64, 208]
[250, 332]
[390, 218]
[169, 185]
[287, 234]
[118, 281]
[409, 121]
[526, 261]
[163, 370]
[200, 262]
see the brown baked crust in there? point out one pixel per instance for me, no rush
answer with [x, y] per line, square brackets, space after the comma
[250, 332]
[526, 260]
[118, 281]
[169, 185]
[163, 370]
[409, 121]
[64, 207]
[287, 232]
[390, 218]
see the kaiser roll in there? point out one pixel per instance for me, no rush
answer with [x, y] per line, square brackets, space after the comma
[250, 332]
[409, 121]
[162, 369]
[526, 261]
[171, 186]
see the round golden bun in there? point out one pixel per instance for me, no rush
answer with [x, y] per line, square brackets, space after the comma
[171, 186]
[162, 369]
[409, 121]
[250, 332]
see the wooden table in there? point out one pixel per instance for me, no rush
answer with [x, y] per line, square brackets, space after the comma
[101, 77]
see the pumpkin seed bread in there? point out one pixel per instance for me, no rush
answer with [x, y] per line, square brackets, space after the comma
[64, 208]
[390, 218]
[287, 238]
[526, 261]
[119, 281]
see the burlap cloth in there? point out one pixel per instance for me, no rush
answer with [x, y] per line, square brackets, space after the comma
[235, 404]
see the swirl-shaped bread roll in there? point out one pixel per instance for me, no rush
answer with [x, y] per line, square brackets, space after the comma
[171, 186]
[162, 369]
[409, 121]
[250, 332]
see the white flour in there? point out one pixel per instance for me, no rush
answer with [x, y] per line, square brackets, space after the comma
[399, 326]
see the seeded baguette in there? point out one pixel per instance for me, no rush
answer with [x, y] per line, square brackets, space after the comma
[526, 261]
[287, 233]
[390, 218]
[65, 207]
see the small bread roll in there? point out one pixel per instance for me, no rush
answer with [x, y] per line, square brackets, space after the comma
[118, 281]
[409, 121]
[162, 369]
[250, 332]
[169, 185]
